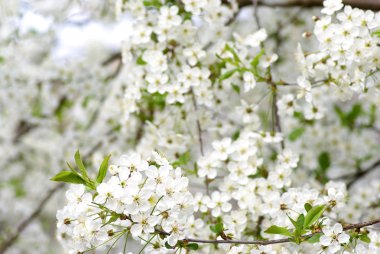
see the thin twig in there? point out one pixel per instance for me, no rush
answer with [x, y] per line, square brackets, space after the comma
[11, 240]
[269, 242]
[360, 174]
[200, 138]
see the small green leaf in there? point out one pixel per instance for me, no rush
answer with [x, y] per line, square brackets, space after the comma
[255, 63]
[308, 207]
[376, 33]
[78, 161]
[193, 246]
[152, 3]
[227, 74]
[113, 218]
[313, 215]
[68, 177]
[235, 135]
[315, 238]
[278, 231]
[365, 238]
[236, 88]
[234, 54]
[300, 222]
[217, 228]
[103, 169]
[324, 161]
[140, 61]
[295, 134]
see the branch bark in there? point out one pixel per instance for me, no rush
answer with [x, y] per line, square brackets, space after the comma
[362, 4]
[11, 240]
[269, 242]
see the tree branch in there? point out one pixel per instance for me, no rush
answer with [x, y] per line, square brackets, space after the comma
[362, 4]
[362, 173]
[269, 242]
[11, 240]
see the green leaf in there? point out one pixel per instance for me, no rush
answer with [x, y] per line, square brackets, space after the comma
[297, 133]
[217, 228]
[308, 207]
[78, 161]
[315, 238]
[365, 238]
[103, 169]
[236, 88]
[235, 135]
[113, 218]
[300, 222]
[255, 63]
[324, 161]
[372, 115]
[2, 59]
[376, 33]
[313, 215]
[152, 3]
[233, 52]
[140, 61]
[276, 230]
[68, 177]
[227, 74]
[193, 246]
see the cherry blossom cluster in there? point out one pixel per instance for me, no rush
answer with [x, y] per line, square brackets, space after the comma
[141, 198]
[348, 53]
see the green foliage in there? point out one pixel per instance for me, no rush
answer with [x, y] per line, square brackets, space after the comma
[217, 228]
[349, 119]
[80, 176]
[183, 159]
[68, 177]
[236, 88]
[140, 61]
[302, 225]
[365, 238]
[324, 163]
[235, 135]
[63, 105]
[276, 230]
[80, 165]
[152, 3]
[376, 33]
[314, 238]
[227, 74]
[297, 133]
[324, 160]
[255, 63]
[193, 246]
[313, 215]
[103, 169]
[307, 207]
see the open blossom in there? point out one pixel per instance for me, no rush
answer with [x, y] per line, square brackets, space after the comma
[331, 6]
[333, 237]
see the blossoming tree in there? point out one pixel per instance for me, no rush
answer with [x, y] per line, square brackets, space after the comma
[231, 127]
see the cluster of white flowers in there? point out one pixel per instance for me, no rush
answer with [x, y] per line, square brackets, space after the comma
[142, 198]
[348, 52]
[244, 157]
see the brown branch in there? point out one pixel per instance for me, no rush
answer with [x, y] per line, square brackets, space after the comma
[269, 242]
[362, 173]
[11, 240]
[362, 4]
[25, 223]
